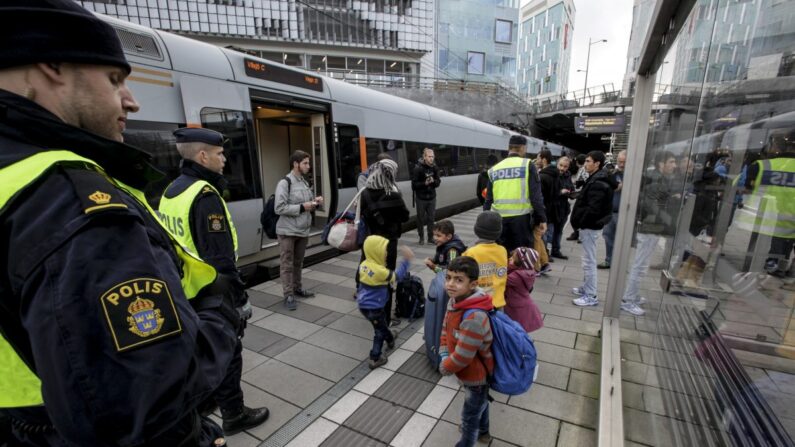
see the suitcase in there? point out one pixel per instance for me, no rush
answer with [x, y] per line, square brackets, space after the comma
[435, 309]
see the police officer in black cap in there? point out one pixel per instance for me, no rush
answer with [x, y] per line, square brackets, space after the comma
[110, 332]
[194, 209]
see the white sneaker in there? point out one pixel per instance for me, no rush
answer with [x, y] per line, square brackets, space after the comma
[586, 301]
[632, 308]
[578, 291]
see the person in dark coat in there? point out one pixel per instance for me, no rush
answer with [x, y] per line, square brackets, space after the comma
[564, 206]
[424, 181]
[592, 211]
[483, 179]
[384, 212]
[551, 189]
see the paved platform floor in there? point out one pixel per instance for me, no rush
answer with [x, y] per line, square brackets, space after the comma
[309, 367]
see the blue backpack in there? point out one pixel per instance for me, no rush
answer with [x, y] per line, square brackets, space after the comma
[514, 355]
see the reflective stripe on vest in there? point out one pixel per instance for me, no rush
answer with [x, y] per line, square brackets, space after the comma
[509, 187]
[19, 386]
[174, 213]
[770, 208]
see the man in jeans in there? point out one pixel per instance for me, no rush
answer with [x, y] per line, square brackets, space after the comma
[424, 181]
[294, 204]
[609, 231]
[592, 211]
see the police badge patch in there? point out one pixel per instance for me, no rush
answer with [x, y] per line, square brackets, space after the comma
[216, 223]
[140, 311]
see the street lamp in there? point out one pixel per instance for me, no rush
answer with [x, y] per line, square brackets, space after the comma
[588, 61]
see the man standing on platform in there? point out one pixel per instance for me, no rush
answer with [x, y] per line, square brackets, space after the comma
[193, 207]
[514, 191]
[424, 181]
[609, 231]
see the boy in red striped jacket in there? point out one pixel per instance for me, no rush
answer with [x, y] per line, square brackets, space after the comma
[465, 347]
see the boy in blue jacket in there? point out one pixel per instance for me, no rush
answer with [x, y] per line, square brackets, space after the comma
[373, 291]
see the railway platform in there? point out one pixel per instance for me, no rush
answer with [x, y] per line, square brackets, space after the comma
[309, 366]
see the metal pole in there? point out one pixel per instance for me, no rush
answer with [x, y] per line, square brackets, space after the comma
[587, 63]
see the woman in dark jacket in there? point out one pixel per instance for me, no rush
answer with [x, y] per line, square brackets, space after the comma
[384, 212]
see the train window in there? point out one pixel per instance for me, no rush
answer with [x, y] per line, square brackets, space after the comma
[243, 181]
[348, 161]
[158, 140]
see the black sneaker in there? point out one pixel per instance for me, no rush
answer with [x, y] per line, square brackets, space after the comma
[559, 255]
[395, 322]
[603, 265]
[245, 419]
[421, 241]
[573, 237]
[303, 293]
[289, 302]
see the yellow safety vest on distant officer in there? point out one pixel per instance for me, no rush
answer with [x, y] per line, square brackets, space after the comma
[509, 187]
[19, 386]
[770, 208]
[174, 212]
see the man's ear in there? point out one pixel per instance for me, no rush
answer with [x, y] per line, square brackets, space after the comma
[52, 71]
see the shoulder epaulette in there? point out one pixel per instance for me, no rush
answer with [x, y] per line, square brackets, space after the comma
[95, 191]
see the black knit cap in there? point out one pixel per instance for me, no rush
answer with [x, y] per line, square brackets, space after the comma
[34, 31]
[488, 226]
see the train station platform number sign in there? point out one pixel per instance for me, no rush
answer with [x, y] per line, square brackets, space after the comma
[600, 124]
[274, 73]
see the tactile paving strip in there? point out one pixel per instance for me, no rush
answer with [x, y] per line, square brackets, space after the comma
[345, 437]
[419, 366]
[379, 419]
[404, 390]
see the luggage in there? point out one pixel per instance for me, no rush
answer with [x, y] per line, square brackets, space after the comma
[435, 309]
[346, 231]
[514, 353]
[410, 298]
[269, 218]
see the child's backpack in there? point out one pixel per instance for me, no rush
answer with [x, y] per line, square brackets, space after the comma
[514, 355]
[269, 218]
[410, 298]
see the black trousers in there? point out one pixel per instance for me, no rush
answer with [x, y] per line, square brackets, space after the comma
[516, 232]
[229, 395]
[426, 214]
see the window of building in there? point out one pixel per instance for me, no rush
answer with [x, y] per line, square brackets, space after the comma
[503, 32]
[475, 62]
[546, 18]
[295, 60]
[335, 63]
[375, 65]
[394, 67]
[317, 62]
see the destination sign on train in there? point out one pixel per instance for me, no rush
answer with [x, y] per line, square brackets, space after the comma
[273, 73]
[600, 124]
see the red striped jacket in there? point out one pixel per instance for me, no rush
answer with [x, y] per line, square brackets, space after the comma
[465, 346]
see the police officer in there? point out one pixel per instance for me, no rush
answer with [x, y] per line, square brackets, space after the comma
[193, 208]
[514, 191]
[110, 334]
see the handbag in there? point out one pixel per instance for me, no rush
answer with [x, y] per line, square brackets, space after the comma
[343, 233]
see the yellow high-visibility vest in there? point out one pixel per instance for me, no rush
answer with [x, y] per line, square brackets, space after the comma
[174, 213]
[509, 187]
[19, 386]
[770, 208]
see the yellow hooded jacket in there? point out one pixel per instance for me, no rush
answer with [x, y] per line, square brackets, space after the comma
[374, 276]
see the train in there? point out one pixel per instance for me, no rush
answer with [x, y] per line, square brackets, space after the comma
[268, 110]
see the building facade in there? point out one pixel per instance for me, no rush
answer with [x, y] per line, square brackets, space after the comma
[343, 37]
[545, 36]
[476, 40]
[641, 16]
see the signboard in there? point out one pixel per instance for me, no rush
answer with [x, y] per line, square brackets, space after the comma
[600, 124]
[274, 73]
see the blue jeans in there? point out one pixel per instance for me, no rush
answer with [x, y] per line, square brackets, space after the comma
[381, 330]
[474, 415]
[609, 233]
[647, 244]
[589, 238]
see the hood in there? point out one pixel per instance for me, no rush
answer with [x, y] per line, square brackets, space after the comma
[551, 170]
[373, 271]
[478, 300]
[455, 242]
[527, 276]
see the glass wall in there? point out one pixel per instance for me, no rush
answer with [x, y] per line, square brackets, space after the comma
[711, 269]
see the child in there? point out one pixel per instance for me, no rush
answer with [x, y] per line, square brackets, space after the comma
[373, 292]
[491, 257]
[465, 347]
[521, 277]
[448, 246]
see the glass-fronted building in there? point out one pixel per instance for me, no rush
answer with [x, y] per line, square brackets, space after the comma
[641, 15]
[364, 37]
[545, 35]
[703, 280]
[476, 40]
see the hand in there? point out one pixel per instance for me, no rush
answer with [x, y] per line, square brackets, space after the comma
[564, 191]
[309, 206]
[319, 200]
[406, 253]
[430, 264]
[542, 227]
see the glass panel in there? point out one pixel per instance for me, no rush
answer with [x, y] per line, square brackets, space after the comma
[375, 65]
[348, 162]
[296, 60]
[475, 62]
[317, 62]
[158, 140]
[336, 63]
[394, 67]
[712, 261]
[503, 31]
[239, 169]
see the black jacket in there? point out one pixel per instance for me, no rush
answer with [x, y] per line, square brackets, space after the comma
[594, 205]
[451, 249]
[481, 186]
[550, 189]
[659, 204]
[384, 213]
[421, 172]
[564, 206]
[62, 256]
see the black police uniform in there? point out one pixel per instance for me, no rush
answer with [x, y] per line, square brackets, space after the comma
[60, 260]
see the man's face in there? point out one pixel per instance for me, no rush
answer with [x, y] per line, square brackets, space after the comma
[97, 99]
[440, 238]
[539, 162]
[304, 166]
[668, 166]
[590, 165]
[458, 285]
[213, 159]
[428, 156]
[563, 166]
[621, 161]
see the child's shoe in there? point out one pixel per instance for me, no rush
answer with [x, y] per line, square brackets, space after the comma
[373, 364]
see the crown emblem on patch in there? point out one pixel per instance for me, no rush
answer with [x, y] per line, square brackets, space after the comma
[140, 305]
[100, 198]
[144, 319]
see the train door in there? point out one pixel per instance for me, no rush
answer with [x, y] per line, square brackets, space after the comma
[284, 127]
[226, 108]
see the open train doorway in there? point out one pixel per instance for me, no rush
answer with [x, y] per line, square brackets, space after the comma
[281, 130]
